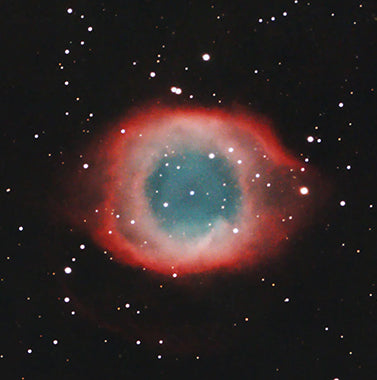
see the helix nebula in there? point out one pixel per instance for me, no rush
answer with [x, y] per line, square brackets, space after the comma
[189, 190]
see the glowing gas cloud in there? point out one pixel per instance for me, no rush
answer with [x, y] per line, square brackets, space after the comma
[187, 190]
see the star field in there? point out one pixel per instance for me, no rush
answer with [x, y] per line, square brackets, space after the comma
[71, 307]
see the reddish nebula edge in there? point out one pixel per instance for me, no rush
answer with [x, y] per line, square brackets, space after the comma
[279, 190]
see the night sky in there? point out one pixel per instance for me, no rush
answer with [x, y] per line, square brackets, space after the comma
[69, 72]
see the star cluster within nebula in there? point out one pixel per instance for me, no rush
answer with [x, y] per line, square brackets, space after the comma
[187, 190]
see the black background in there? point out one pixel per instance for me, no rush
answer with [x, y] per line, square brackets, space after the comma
[308, 62]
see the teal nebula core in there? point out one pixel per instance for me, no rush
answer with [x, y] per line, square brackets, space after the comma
[188, 192]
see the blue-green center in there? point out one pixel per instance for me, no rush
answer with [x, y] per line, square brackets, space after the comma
[189, 191]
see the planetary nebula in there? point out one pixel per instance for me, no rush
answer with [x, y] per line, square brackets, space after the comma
[184, 190]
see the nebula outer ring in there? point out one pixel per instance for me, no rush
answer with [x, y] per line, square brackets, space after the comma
[125, 160]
